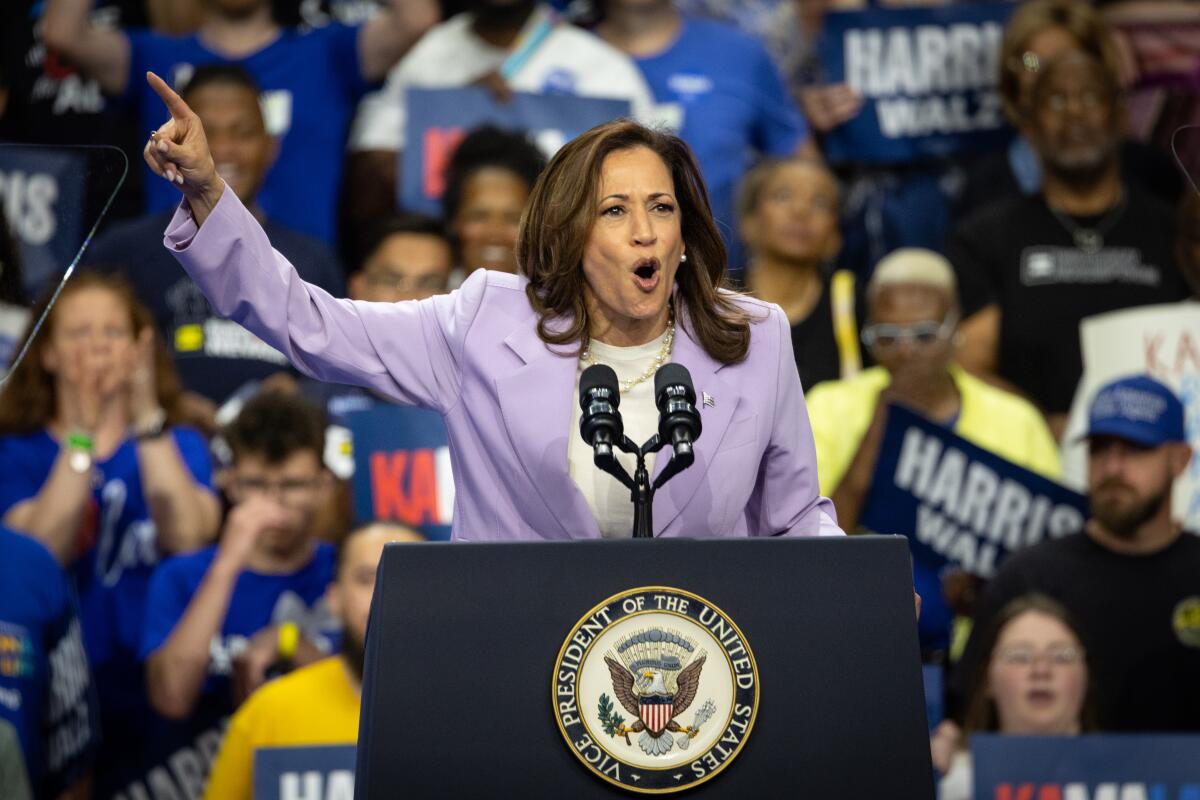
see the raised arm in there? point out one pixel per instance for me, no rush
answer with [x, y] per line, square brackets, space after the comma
[99, 51]
[389, 34]
[410, 352]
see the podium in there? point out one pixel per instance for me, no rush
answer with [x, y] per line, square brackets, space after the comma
[737, 668]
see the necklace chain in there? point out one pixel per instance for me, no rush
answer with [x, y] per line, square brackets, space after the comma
[664, 354]
[1090, 239]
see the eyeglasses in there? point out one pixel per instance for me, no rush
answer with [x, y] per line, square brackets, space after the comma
[288, 490]
[1021, 656]
[406, 283]
[817, 202]
[1089, 100]
[1027, 62]
[922, 334]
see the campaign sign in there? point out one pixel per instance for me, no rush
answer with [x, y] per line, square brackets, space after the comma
[958, 503]
[927, 77]
[439, 118]
[402, 468]
[1124, 767]
[42, 189]
[304, 773]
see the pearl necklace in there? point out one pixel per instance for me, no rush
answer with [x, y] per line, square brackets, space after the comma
[664, 355]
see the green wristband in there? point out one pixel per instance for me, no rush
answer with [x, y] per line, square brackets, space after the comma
[79, 441]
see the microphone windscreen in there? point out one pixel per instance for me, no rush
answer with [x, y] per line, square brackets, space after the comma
[673, 374]
[599, 376]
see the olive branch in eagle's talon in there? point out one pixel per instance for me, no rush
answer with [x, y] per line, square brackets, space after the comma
[614, 723]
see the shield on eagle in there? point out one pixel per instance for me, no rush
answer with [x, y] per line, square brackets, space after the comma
[656, 711]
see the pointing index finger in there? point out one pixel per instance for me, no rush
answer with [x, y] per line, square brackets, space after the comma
[174, 103]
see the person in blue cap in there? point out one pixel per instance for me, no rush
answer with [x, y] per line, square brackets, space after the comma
[1131, 576]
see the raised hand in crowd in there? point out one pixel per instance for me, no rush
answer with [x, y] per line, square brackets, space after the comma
[944, 744]
[245, 524]
[826, 107]
[90, 391]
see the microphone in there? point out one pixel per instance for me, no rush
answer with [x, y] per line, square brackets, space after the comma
[678, 421]
[599, 396]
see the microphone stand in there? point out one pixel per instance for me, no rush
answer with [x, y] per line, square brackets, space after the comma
[641, 490]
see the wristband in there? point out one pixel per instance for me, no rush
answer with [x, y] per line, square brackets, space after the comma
[78, 440]
[151, 425]
[289, 638]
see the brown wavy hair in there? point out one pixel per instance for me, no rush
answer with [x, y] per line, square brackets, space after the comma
[29, 399]
[981, 715]
[1091, 33]
[558, 219]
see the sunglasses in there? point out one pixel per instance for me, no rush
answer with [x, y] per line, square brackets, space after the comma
[921, 334]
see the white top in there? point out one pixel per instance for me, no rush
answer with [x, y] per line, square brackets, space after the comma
[607, 497]
[956, 784]
[568, 61]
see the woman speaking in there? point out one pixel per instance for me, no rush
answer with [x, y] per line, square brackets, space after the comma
[620, 264]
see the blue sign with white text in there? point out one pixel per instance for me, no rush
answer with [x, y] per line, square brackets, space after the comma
[927, 77]
[961, 507]
[42, 195]
[1108, 767]
[439, 118]
[296, 773]
[957, 502]
[402, 468]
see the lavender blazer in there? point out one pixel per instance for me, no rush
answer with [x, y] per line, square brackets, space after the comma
[474, 356]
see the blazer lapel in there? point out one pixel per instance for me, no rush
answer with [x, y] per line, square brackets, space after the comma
[535, 401]
[677, 493]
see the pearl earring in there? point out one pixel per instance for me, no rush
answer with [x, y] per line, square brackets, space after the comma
[683, 258]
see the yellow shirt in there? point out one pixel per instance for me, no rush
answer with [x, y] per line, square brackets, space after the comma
[315, 705]
[996, 420]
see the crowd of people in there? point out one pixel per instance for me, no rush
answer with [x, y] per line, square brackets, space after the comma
[184, 581]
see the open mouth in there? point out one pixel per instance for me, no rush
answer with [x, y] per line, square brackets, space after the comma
[1040, 698]
[645, 274]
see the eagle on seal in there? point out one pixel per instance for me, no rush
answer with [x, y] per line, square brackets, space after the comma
[645, 695]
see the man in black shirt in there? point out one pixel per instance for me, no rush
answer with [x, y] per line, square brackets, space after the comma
[1030, 268]
[1132, 576]
[215, 356]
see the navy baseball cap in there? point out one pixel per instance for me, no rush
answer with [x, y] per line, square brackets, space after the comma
[1138, 409]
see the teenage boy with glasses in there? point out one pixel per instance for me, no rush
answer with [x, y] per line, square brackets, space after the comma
[219, 618]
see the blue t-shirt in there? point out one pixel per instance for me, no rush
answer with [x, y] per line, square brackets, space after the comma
[119, 551]
[310, 85]
[257, 602]
[45, 689]
[213, 355]
[734, 106]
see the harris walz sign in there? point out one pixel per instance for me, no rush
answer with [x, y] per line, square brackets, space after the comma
[958, 503]
[927, 77]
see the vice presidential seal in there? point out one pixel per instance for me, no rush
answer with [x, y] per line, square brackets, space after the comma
[655, 690]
